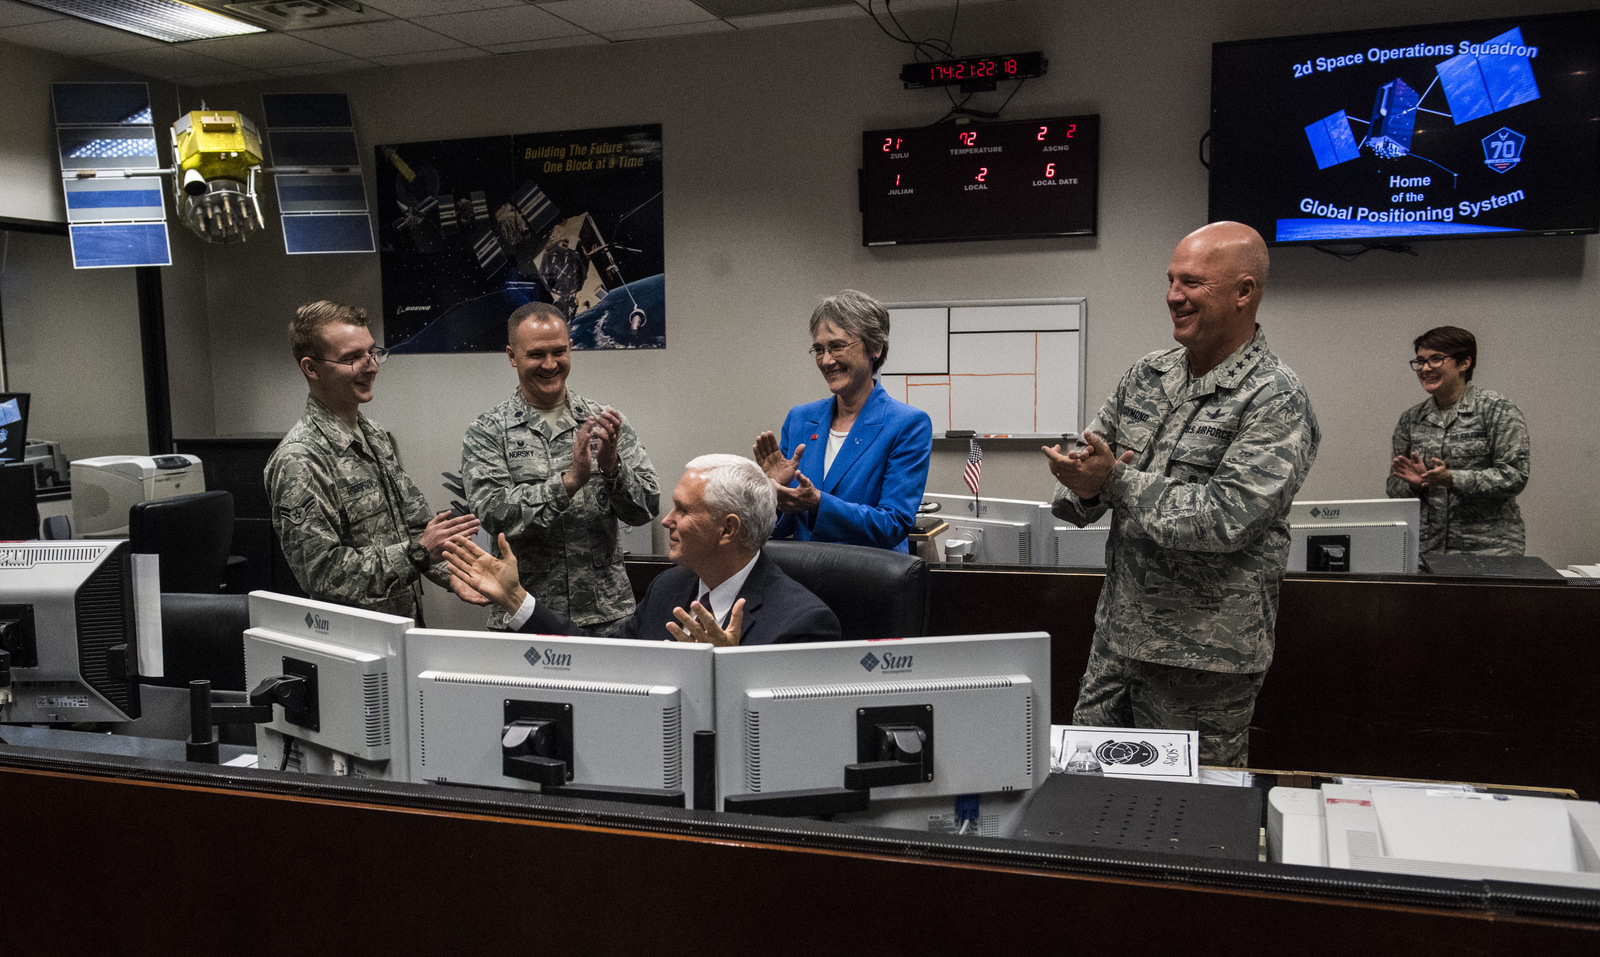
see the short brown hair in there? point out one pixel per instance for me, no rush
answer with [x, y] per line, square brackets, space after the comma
[1453, 341]
[543, 310]
[857, 314]
[305, 329]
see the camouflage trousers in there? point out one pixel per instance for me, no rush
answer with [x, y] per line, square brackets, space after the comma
[1119, 692]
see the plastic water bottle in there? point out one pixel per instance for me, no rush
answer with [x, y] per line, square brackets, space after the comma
[1082, 761]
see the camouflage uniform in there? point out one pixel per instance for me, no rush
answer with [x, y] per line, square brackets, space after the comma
[566, 546]
[346, 513]
[1483, 440]
[1199, 538]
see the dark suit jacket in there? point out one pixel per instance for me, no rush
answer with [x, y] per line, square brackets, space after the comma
[776, 609]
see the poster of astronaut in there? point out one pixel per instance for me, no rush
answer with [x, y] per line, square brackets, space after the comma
[471, 229]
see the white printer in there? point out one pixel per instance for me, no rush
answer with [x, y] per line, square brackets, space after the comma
[104, 488]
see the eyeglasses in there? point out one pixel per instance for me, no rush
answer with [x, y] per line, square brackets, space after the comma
[834, 348]
[377, 354]
[1427, 362]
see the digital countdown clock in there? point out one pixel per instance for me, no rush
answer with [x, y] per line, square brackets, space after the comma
[976, 74]
[1011, 180]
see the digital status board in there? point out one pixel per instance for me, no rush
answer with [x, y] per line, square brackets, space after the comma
[1013, 180]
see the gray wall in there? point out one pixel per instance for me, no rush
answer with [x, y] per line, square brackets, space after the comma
[762, 134]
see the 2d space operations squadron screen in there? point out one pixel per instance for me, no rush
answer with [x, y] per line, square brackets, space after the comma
[1449, 130]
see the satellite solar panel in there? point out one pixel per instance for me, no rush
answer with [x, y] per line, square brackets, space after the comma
[122, 104]
[321, 193]
[334, 233]
[108, 199]
[314, 148]
[108, 147]
[306, 110]
[99, 245]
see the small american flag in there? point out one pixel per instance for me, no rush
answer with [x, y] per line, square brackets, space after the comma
[974, 469]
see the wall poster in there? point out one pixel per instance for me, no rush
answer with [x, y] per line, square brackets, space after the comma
[471, 229]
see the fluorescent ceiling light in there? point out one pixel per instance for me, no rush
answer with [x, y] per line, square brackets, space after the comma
[167, 20]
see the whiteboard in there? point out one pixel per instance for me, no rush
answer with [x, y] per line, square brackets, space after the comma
[998, 368]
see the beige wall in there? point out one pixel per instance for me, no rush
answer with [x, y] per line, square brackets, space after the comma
[762, 134]
[30, 189]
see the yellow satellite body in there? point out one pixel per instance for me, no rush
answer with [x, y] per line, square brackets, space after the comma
[217, 154]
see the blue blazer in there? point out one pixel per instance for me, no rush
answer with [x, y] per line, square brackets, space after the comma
[871, 494]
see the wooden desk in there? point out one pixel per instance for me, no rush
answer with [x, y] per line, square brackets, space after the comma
[138, 858]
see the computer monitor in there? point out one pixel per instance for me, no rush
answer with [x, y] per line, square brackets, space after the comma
[67, 619]
[591, 717]
[1036, 514]
[984, 541]
[13, 426]
[352, 662]
[1074, 547]
[947, 734]
[1373, 536]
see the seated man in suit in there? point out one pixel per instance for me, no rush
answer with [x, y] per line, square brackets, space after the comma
[724, 590]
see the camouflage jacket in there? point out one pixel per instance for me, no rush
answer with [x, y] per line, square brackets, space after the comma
[1483, 440]
[346, 513]
[567, 549]
[1199, 530]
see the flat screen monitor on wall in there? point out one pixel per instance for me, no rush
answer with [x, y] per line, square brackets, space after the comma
[1439, 131]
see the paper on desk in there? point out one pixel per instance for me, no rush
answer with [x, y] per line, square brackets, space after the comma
[242, 761]
[1130, 752]
[147, 614]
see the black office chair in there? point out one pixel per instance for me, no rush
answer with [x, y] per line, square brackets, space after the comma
[202, 636]
[191, 533]
[875, 592]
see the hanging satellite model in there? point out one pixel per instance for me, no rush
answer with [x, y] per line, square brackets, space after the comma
[112, 178]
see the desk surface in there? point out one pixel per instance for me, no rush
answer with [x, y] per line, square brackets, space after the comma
[120, 745]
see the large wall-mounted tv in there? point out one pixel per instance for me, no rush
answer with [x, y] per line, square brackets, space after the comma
[1485, 128]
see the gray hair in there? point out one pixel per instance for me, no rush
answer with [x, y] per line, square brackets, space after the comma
[858, 316]
[736, 485]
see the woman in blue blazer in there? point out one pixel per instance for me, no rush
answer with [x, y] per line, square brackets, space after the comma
[852, 467]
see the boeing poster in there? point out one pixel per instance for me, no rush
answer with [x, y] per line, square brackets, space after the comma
[471, 229]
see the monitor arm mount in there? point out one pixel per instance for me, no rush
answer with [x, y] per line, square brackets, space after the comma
[536, 745]
[295, 693]
[894, 745]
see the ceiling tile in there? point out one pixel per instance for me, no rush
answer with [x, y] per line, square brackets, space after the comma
[429, 56]
[413, 9]
[16, 14]
[580, 40]
[614, 16]
[347, 65]
[751, 8]
[263, 51]
[755, 21]
[673, 30]
[224, 79]
[384, 38]
[505, 25]
[170, 63]
[76, 38]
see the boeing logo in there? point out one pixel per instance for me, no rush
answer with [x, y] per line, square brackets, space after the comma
[405, 309]
[548, 658]
[317, 623]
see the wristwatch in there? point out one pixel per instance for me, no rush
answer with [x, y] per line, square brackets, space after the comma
[418, 555]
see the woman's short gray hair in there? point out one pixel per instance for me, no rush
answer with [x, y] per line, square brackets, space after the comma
[736, 485]
[858, 316]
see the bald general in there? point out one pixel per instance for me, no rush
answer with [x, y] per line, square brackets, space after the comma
[1214, 285]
